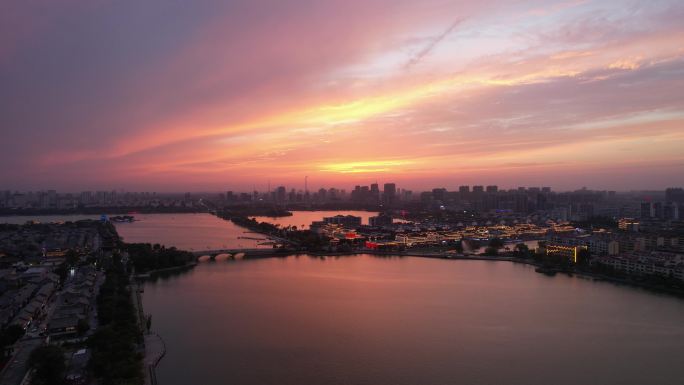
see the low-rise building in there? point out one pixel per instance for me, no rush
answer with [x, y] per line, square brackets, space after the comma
[63, 326]
[380, 220]
[348, 221]
[654, 263]
[569, 252]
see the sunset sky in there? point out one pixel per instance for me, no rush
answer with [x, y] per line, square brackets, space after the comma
[215, 95]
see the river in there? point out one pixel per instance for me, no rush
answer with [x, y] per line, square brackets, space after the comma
[200, 231]
[189, 232]
[205, 231]
[194, 231]
[370, 320]
[303, 219]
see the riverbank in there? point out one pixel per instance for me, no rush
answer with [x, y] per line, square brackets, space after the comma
[268, 229]
[155, 350]
[99, 211]
[583, 274]
[150, 273]
[496, 258]
[252, 211]
[154, 347]
[153, 356]
[239, 318]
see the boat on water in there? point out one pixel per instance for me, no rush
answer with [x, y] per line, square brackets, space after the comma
[122, 219]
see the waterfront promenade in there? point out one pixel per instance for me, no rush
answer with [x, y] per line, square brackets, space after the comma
[155, 349]
[153, 344]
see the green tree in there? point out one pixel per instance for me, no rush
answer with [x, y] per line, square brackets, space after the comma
[583, 257]
[72, 257]
[473, 244]
[496, 243]
[82, 326]
[115, 358]
[48, 362]
[11, 334]
[522, 250]
[491, 251]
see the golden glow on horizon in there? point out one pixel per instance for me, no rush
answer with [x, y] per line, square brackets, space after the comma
[495, 95]
[323, 116]
[364, 108]
[365, 166]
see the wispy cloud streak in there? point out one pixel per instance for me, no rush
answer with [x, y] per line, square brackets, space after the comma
[430, 46]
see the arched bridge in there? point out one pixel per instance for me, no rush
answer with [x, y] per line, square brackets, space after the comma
[240, 253]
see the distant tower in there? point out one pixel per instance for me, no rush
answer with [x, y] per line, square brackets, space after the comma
[389, 193]
[268, 193]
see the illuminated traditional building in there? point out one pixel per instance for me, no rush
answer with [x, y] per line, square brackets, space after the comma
[628, 224]
[348, 221]
[570, 252]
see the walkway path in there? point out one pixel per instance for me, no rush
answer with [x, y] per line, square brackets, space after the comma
[154, 351]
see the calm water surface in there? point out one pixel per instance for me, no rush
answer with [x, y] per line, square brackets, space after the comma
[303, 219]
[185, 231]
[367, 320]
[189, 232]
[21, 219]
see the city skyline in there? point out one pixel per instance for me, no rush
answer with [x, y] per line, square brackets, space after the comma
[347, 189]
[341, 192]
[165, 96]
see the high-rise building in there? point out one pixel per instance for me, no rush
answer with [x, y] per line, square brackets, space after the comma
[5, 198]
[322, 194]
[671, 211]
[521, 203]
[657, 210]
[390, 193]
[406, 195]
[492, 189]
[439, 194]
[674, 195]
[375, 192]
[491, 200]
[281, 194]
[464, 192]
[86, 197]
[51, 198]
